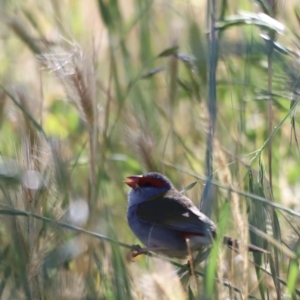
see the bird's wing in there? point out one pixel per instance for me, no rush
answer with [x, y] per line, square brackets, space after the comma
[174, 210]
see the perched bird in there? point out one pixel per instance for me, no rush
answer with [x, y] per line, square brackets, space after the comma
[163, 219]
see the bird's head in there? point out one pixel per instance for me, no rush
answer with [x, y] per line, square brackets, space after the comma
[146, 186]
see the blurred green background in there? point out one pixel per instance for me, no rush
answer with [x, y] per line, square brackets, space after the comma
[94, 91]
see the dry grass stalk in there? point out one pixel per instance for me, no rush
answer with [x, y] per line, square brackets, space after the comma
[84, 94]
[20, 30]
[139, 138]
[26, 100]
[2, 105]
[239, 216]
[37, 256]
[161, 283]
[67, 285]
[76, 72]
[221, 165]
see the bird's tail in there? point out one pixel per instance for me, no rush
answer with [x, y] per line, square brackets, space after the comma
[234, 244]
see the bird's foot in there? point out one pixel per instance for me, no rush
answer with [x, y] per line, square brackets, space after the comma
[137, 250]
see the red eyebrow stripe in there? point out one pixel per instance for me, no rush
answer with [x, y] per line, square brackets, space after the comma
[155, 182]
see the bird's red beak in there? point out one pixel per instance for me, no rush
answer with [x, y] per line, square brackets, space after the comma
[133, 181]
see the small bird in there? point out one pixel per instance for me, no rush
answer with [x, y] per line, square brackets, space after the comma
[163, 219]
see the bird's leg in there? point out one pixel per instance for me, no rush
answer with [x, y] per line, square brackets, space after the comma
[190, 262]
[190, 266]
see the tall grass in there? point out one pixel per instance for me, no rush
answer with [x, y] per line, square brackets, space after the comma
[92, 92]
